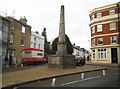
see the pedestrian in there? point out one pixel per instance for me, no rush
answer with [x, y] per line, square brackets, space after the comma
[6, 61]
[87, 58]
[14, 61]
[10, 60]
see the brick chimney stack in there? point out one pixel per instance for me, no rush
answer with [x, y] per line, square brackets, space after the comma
[23, 20]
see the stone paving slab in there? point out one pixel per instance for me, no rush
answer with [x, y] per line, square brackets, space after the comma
[28, 75]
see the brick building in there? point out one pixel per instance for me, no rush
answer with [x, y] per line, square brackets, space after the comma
[105, 33]
[19, 37]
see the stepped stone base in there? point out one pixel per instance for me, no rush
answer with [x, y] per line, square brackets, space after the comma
[61, 62]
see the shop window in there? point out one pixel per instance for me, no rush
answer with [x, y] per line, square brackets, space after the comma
[93, 54]
[101, 53]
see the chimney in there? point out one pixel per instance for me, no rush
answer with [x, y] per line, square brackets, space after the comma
[23, 20]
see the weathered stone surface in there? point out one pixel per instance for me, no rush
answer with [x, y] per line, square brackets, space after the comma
[56, 61]
[61, 59]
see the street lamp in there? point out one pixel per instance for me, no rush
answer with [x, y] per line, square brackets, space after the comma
[89, 44]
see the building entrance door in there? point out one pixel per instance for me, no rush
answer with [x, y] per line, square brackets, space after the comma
[114, 55]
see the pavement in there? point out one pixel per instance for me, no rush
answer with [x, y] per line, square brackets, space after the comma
[42, 72]
[107, 65]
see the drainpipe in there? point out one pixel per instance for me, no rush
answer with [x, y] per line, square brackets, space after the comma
[118, 7]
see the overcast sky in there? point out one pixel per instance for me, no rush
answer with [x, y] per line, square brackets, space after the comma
[46, 13]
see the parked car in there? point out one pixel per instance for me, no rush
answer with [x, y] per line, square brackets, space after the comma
[80, 61]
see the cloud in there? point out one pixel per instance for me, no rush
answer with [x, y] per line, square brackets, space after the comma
[46, 13]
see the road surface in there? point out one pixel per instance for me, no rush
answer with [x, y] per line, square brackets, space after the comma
[107, 78]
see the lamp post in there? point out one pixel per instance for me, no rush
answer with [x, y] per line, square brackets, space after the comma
[89, 44]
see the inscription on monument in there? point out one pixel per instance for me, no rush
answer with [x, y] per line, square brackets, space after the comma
[55, 60]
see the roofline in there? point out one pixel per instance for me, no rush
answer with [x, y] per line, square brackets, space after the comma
[4, 18]
[8, 17]
[104, 7]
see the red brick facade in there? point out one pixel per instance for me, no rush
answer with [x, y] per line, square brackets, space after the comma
[108, 32]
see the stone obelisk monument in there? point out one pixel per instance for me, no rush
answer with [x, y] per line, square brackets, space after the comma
[61, 59]
[61, 46]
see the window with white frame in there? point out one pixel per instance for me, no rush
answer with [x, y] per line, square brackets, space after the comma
[93, 42]
[99, 28]
[12, 25]
[102, 53]
[23, 41]
[113, 39]
[38, 46]
[112, 26]
[99, 14]
[100, 41]
[11, 38]
[111, 12]
[35, 38]
[93, 29]
[23, 29]
[93, 16]
[34, 45]
[93, 54]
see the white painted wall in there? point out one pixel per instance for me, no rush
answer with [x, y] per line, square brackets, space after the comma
[80, 53]
[108, 58]
[39, 40]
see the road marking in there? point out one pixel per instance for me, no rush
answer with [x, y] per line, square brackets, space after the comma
[79, 80]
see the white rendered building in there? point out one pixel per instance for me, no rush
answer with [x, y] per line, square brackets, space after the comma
[37, 41]
[80, 52]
